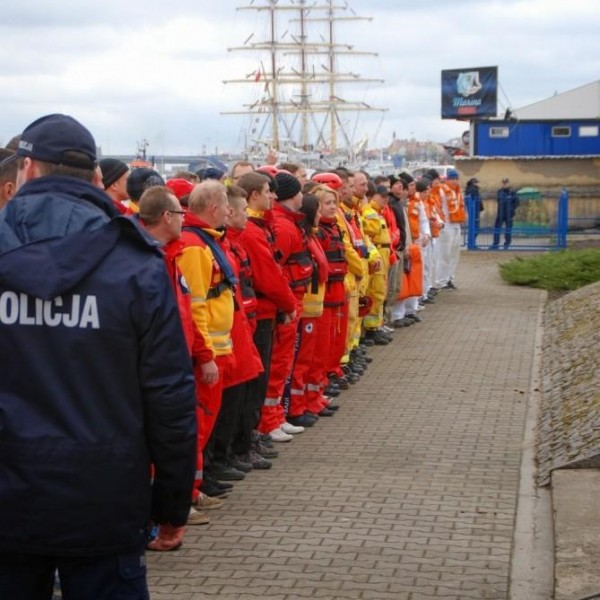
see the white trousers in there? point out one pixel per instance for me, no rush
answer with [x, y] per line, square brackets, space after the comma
[448, 253]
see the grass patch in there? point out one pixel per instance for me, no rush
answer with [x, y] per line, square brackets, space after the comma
[565, 270]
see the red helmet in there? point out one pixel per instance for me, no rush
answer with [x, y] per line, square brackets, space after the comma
[331, 180]
[180, 187]
[271, 170]
[364, 305]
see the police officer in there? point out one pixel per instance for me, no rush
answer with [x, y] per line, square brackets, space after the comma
[507, 203]
[96, 381]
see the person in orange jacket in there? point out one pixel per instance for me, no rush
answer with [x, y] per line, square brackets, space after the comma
[453, 207]
[431, 203]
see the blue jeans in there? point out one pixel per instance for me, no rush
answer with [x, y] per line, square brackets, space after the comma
[114, 577]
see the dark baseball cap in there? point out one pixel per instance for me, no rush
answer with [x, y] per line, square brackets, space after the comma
[382, 190]
[48, 139]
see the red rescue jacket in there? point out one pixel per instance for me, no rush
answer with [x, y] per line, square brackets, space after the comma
[272, 289]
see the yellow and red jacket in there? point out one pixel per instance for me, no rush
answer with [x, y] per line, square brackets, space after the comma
[352, 251]
[375, 225]
[332, 241]
[199, 351]
[212, 294]
[312, 302]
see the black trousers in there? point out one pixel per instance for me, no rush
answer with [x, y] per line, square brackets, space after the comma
[31, 577]
[256, 390]
[227, 424]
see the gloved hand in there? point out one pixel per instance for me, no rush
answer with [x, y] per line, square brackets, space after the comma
[168, 538]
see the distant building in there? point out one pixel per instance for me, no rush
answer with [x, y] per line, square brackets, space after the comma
[566, 124]
[548, 144]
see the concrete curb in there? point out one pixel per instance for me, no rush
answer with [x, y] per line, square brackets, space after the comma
[532, 562]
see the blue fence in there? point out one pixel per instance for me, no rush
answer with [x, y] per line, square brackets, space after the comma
[536, 224]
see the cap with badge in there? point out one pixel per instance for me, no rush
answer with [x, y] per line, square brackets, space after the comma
[140, 180]
[51, 138]
[212, 173]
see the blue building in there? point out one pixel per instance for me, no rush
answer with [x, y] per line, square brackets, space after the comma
[564, 125]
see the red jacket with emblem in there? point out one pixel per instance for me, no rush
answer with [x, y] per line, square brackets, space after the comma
[292, 245]
[272, 289]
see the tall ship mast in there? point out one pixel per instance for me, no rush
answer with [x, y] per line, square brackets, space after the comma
[300, 78]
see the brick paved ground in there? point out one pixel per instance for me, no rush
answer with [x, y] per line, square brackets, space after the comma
[409, 492]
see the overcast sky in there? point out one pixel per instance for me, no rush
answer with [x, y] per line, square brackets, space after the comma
[131, 70]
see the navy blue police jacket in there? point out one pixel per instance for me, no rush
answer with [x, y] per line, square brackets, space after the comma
[95, 378]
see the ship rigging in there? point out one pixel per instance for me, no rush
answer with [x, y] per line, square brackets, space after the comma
[301, 106]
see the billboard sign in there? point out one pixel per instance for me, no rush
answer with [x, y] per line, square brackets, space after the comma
[469, 93]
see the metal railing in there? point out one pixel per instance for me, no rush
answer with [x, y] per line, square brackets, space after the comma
[536, 224]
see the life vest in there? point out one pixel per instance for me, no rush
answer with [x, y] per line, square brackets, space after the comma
[433, 214]
[456, 202]
[291, 239]
[333, 245]
[223, 278]
[299, 268]
[357, 236]
[246, 286]
[412, 210]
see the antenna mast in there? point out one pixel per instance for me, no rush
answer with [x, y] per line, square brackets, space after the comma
[315, 100]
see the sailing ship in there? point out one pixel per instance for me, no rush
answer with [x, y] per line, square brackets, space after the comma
[299, 108]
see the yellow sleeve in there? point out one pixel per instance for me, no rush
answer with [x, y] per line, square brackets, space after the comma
[373, 252]
[355, 265]
[196, 265]
[371, 223]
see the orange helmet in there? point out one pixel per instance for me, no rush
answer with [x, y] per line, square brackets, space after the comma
[331, 180]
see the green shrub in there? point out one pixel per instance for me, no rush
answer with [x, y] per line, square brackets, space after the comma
[556, 271]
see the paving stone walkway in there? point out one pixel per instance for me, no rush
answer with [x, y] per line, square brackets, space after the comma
[409, 492]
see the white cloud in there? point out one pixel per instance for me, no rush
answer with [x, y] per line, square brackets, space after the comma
[135, 69]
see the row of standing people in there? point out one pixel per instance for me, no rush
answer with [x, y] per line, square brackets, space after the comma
[270, 291]
[310, 283]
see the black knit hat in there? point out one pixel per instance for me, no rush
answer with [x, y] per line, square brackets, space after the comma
[406, 177]
[287, 186]
[432, 174]
[112, 170]
[140, 180]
